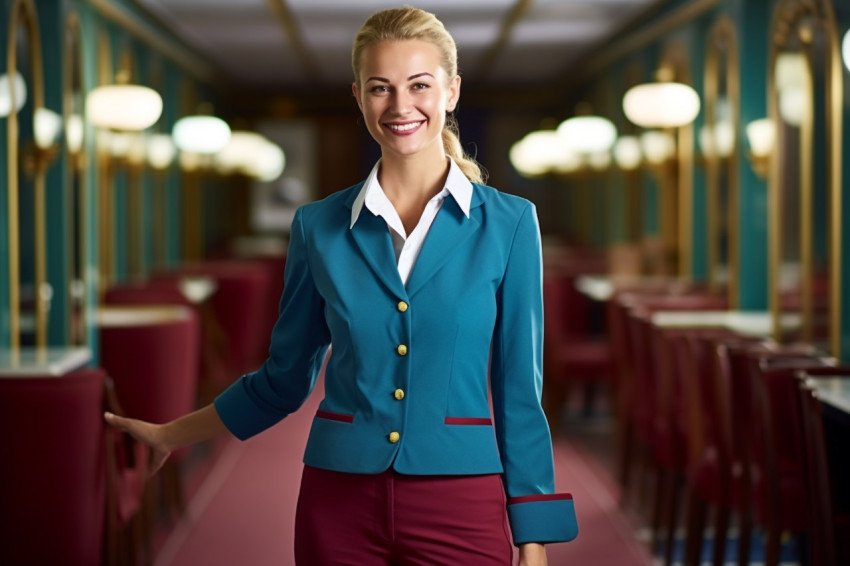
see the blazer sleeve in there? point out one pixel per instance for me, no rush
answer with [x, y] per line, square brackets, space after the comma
[299, 341]
[536, 513]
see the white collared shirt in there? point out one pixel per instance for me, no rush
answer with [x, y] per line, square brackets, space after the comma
[408, 246]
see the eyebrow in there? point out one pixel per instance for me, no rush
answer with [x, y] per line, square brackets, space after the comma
[410, 78]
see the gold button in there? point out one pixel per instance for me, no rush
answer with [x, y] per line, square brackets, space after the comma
[402, 306]
[402, 350]
[394, 437]
[398, 394]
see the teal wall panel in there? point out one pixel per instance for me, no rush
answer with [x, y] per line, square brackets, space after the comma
[4, 211]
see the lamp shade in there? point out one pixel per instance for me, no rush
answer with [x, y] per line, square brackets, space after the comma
[661, 105]
[845, 49]
[201, 134]
[761, 135]
[587, 134]
[627, 153]
[47, 125]
[7, 87]
[123, 107]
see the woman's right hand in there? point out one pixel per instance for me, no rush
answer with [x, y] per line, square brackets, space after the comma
[149, 434]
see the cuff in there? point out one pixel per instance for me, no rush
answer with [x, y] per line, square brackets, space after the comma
[542, 518]
[242, 417]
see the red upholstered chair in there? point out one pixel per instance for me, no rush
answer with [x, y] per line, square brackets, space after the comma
[151, 353]
[571, 352]
[779, 494]
[242, 307]
[52, 479]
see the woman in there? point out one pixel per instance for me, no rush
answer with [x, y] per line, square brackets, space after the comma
[426, 283]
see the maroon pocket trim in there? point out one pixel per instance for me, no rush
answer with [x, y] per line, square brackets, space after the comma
[467, 421]
[540, 497]
[335, 416]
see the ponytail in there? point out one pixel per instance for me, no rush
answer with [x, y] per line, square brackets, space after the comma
[451, 143]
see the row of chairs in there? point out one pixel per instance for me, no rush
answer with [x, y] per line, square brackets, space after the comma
[721, 419]
[73, 491]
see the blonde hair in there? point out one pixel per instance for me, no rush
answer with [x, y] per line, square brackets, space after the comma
[407, 22]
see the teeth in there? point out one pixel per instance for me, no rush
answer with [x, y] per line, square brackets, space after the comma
[404, 127]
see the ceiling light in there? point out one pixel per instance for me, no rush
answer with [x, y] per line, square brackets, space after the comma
[240, 152]
[587, 134]
[123, 107]
[201, 134]
[6, 91]
[661, 105]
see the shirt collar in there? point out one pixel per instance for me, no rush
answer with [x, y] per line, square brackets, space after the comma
[457, 185]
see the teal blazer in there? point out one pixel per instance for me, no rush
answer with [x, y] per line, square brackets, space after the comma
[407, 380]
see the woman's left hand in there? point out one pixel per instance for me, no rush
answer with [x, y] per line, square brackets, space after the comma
[532, 554]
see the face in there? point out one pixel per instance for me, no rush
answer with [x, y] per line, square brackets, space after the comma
[404, 95]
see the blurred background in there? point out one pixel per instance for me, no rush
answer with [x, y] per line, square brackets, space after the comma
[686, 159]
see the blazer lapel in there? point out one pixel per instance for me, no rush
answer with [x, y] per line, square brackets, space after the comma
[451, 228]
[372, 237]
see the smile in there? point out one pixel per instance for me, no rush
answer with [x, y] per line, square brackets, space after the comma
[403, 128]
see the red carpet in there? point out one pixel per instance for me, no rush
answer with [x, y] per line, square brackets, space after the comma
[243, 513]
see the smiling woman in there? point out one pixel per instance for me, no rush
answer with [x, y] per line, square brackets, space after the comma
[425, 285]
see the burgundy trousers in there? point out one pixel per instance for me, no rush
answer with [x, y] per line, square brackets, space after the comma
[391, 519]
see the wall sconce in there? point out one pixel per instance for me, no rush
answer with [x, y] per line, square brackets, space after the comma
[47, 128]
[662, 104]
[12, 89]
[761, 135]
[845, 49]
[536, 153]
[717, 140]
[627, 153]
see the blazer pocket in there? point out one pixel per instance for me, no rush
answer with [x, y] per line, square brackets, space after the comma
[341, 417]
[468, 421]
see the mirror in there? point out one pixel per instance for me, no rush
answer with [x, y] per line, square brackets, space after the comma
[718, 140]
[806, 106]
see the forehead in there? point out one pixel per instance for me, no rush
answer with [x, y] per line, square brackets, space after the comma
[400, 58]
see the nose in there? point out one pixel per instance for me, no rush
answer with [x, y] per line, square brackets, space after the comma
[401, 102]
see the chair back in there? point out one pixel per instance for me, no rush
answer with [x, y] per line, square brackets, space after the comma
[151, 353]
[52, 480]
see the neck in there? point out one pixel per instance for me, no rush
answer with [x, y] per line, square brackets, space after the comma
[407, 179]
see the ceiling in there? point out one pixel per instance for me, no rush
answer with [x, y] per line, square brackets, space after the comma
[266, 45]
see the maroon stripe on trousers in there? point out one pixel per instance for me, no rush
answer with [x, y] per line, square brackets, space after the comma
[335, 416]
[467, 421]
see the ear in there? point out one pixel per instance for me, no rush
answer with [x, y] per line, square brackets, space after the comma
[356, 96]
[454, 94]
